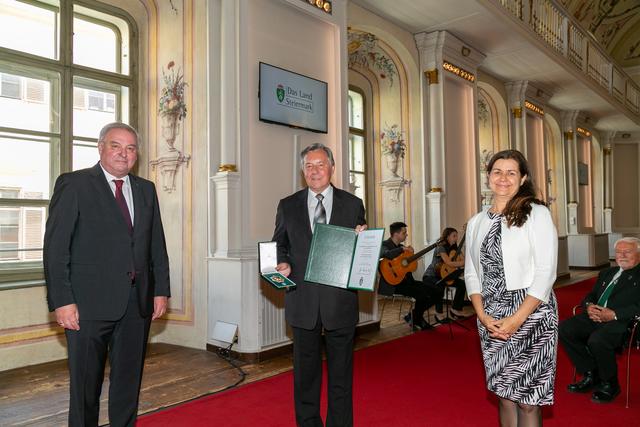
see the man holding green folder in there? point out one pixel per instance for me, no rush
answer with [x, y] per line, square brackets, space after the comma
[311, 308]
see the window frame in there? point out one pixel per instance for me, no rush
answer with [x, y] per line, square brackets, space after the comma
[363, 134]
[61, 140]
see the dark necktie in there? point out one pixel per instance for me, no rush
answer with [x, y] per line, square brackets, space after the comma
[320, 215]
[604, 298]
[122, 204]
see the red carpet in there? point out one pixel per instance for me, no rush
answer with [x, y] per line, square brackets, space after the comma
[425, 379]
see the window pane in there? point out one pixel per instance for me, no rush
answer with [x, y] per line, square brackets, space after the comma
[10, 86]
[21, 234]
[25, 173]
[97, 103]
[85, 154]
[357, 183]
[356, 110]
[33, 108]
[100, 40]
[356, 153]
[30, 28]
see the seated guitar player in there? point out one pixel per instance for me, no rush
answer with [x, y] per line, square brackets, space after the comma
[425, 296]
[446, 258]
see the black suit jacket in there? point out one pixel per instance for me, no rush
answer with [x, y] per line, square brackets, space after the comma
[338, 308]
[625, 297]
[390, 251]
[89, 254]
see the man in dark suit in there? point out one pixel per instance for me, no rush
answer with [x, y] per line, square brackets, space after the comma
[311, 308]
[591, 337]
[107, 275]
[425, 295]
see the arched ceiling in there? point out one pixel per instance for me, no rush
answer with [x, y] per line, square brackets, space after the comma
[614, 23]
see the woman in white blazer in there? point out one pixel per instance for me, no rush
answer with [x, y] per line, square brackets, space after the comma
[510, 268]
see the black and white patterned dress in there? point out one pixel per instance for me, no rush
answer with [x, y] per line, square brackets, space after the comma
[522, 368]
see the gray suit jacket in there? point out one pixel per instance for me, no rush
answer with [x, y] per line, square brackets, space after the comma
[89, 254]
[337, 308]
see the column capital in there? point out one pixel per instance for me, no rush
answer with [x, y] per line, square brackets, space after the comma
[516, 93]
[439, 46]
[569, 120]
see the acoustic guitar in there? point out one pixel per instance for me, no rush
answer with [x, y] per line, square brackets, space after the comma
[454, 255]
[394, 270]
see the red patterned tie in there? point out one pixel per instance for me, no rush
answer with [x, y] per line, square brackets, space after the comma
[122, 204]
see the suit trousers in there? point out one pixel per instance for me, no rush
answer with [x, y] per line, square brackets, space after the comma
[307, 375]
[124, 341]
[591, 346]
[425, 296]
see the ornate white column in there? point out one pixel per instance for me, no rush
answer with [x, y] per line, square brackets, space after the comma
[517, 115]
[607, 140]
[568, 119]
[434, 49]
[233, 291]
[430, 50]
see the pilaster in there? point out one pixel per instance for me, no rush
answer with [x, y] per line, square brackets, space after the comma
[517, 116]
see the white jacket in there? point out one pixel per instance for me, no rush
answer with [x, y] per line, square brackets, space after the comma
[529, 253]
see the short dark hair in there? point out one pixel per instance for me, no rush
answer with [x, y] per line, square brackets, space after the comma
[396, 227]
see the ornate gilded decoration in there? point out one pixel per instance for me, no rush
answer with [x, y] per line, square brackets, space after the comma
[432, 76]
[568, 134]
[533, 107]
[583, 131]
[460, 72]
[436, 190]
[228, 168]
[516, 112]
[321, 4]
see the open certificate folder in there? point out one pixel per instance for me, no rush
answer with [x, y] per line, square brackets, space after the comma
[268, 254]
[340, 257]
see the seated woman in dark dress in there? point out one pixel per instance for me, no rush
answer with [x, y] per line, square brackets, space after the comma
[447, 243]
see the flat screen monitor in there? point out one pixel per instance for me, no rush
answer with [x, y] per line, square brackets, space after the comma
[292, 99]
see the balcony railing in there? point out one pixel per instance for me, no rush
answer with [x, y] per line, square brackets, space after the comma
[562, 32]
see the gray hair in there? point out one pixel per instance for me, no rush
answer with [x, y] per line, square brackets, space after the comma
[314, 147]
[633, 240]
[117, 125]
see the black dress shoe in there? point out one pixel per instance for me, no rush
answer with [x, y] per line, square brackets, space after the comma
[606, 392]
[588, 382]
[424, 325]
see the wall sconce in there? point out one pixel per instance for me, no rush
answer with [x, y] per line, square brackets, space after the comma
[465, 51]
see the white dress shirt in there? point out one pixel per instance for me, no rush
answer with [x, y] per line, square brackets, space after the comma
[327, 202]
[126, 189]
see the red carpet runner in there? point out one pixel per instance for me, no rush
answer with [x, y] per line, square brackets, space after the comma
[425, 379]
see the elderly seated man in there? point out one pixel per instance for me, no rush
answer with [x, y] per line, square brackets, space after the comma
[591, 337]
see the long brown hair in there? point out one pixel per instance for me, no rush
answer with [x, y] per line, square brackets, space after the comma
[444, 238]
[519, 207]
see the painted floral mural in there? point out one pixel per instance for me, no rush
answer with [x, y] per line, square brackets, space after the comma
[365, 52]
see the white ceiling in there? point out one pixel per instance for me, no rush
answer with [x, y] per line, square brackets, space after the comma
[511, 53]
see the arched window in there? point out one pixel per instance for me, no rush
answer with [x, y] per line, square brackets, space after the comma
[66, 70]
[357, 145]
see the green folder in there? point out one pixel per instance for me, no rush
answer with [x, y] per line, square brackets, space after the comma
[342, 258]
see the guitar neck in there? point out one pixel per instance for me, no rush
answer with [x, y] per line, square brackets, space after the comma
[421, 253]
